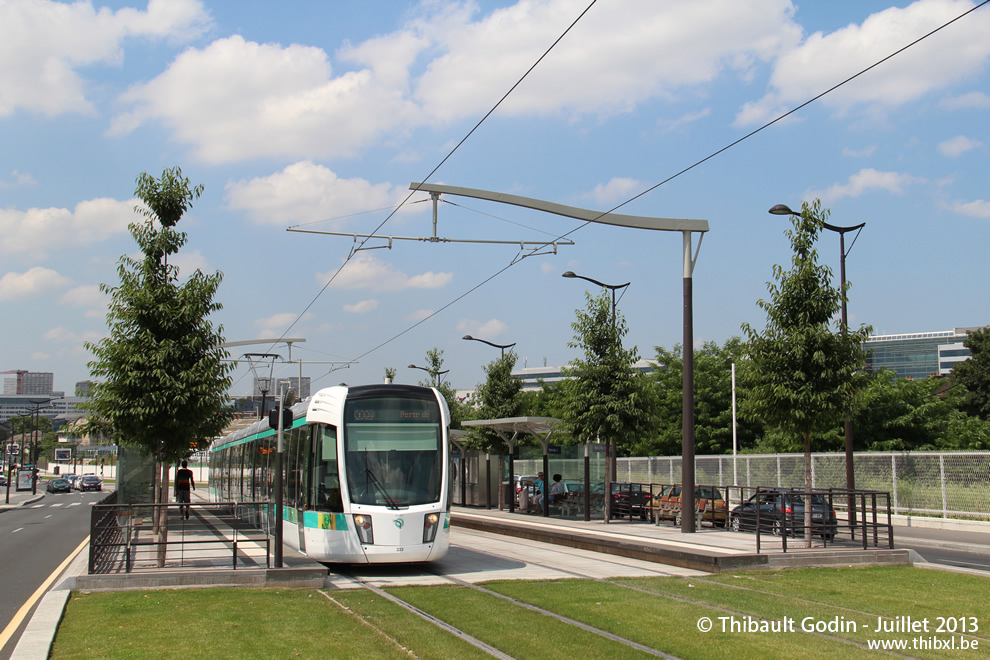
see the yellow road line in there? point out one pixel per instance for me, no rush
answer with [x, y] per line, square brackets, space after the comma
[15, 623]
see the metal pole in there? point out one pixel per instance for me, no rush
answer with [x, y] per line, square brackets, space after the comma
[850, 472]
[735, 444]
[278, 484]
[587, 481]
[687, 423]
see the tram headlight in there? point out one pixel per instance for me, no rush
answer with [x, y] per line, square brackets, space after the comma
[430, 524]
[362, 524]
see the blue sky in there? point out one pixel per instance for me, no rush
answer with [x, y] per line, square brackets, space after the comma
[319, 114]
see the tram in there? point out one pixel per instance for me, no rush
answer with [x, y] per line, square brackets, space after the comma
[366, 473]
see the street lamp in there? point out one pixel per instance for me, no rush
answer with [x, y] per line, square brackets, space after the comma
[610, 458]
[782, 209]
[485, 341]
[436, 376]
[612, 287]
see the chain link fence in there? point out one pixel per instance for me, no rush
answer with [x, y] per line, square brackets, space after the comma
[946, 484]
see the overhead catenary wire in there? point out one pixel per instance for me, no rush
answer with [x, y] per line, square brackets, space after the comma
[441, 163]
[638, 195]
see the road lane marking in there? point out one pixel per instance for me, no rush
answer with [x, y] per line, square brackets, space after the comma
[14, 532]
[48, 516]
[15, 622]
[75, 504]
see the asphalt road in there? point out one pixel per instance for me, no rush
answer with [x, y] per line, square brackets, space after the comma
[34, 540]
[954, 558]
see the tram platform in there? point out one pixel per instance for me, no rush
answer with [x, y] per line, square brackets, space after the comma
[709, 549]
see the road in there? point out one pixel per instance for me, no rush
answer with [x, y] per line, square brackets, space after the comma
[954, 558]
[34, 540]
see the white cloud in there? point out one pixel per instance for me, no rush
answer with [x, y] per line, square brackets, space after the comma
[618, 189]
[418, 315]
[188, 262]
[89, 297]
[490, 330]
[18, 180]
[238, 99]
[860, 153]
[361, 307]
[958, 146]
[280, 321]
[606, 64]
[36, 232]
[978, 209]
[824, 60]
[968, 101]
[671, 125]
[43, 44]
[306, 192]
[367, 272]
[35, 282]
[64, 336]
[864, 181]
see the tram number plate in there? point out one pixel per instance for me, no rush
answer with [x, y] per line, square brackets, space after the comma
[400, 549]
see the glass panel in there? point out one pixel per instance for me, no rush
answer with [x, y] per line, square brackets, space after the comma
[394, 451]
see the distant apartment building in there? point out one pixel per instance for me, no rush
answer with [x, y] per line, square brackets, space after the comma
[39, 383]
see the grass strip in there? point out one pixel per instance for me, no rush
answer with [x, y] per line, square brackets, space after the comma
[215, 623]
[511, 628]
[408, 629]
[667, 624]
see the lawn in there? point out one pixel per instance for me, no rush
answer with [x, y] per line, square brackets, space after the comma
[577, 618]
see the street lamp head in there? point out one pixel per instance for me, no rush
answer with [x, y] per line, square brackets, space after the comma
[569, 273]
[782, 209]
[413, 366]
[468, 337]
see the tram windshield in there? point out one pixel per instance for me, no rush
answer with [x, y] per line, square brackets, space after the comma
[393, 450]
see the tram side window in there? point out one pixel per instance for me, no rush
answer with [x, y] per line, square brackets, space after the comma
[293, 469]
[326, 477]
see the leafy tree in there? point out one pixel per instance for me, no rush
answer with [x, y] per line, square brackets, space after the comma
[434, 366]
[607, 399]
[712, 396]
[500, 396]
[974, 374]
[162, 372]
[803, 371]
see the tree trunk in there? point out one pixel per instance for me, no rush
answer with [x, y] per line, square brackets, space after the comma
[162, 515]
[807, 489]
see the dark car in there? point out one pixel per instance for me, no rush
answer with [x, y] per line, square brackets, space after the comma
[90, 482]
[58, 486]
[630, 500]
[782, 511]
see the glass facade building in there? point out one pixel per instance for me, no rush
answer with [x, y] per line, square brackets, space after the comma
[917, 355]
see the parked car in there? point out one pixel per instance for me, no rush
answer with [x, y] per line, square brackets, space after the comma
[781, 510]
[3, 480]
[89, 482]
[665, 506]
[71, 478]
[630, 500]
[58, 485]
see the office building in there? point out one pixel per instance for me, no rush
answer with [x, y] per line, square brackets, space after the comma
[918, 355]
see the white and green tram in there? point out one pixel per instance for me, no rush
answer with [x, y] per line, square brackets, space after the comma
[366, 475]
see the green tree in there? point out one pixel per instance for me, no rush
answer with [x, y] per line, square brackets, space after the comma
[434, 366]
[804, 373]
[162, 373]
[499, 396]
[607, 399]
[974, 374]
[712, 396]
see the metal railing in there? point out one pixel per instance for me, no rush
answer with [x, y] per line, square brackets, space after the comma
[126, 538]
